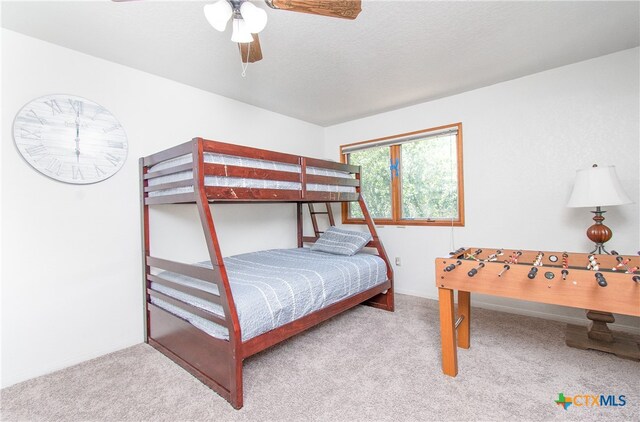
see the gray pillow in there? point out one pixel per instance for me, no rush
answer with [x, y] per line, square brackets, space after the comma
[341, 242]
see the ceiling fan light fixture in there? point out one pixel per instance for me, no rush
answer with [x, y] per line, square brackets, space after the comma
[241, 33]
[254, 17]
[218, 14]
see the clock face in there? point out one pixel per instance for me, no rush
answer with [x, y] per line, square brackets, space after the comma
[70, 139]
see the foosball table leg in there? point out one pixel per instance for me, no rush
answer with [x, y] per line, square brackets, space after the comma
[464, 316]
[448, 332]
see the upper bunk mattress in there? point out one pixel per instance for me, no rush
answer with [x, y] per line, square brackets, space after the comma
[272, 288]
[237, 182]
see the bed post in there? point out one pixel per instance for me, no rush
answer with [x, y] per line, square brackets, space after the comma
[300, 223]
[144, 226]
[215, 255]
[383, 300]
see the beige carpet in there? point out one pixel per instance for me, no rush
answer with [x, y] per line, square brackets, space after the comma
[365, 364]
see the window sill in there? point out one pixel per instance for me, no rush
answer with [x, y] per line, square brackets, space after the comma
[402, 223]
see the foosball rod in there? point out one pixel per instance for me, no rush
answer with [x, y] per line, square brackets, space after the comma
[505, 268]
[473, 255]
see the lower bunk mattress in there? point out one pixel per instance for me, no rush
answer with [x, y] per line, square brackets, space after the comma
[272, 288]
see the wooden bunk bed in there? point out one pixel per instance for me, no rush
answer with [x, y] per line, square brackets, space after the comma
[214, 361]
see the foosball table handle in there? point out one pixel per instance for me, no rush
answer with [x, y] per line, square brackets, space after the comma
[452, 267]
[474, 271]
[601, 280]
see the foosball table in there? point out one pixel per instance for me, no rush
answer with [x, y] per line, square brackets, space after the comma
[602, 284]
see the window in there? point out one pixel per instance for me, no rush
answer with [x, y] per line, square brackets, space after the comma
[410, 179]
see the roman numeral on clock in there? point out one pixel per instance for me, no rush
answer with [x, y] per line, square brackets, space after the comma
[29, 134]
[111, 129]
[98, 112]
[112, 159]
[114, 144]
[36, 151]
[99, 171]
[55, 107]
[40, 119]
[54, 166]
[76, 173]
[77, 106]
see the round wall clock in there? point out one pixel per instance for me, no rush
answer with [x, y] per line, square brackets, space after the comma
[70, 139]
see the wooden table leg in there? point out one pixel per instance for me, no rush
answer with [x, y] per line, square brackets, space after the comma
[464, 310]
[448, 332]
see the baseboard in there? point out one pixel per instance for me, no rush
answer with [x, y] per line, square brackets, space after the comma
[528, 312]
[75, 360]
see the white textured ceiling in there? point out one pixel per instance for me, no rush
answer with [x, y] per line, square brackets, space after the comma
[326, 71]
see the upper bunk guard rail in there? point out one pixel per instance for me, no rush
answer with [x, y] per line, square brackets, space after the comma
[168, 154]
[198, 147]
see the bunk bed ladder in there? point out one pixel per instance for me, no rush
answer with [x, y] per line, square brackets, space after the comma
[314, 221]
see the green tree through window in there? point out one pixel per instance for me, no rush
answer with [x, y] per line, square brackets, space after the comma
[427, 189]
[375, 179]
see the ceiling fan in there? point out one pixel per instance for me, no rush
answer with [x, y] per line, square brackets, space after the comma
[248, 20]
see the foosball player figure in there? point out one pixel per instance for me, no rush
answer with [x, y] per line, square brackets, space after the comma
[593, 263]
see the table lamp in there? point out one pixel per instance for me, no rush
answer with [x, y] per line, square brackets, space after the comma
[598, 187]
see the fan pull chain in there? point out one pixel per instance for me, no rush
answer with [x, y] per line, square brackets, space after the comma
[243, 64]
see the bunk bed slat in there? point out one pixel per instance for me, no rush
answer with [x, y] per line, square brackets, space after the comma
[170, 185]
[255, 153]
[249, 173]
[189, 308]
[209, 297]
[180, 198]
[249, 194]
[171, 170]
[332, 196]
[332, 165]
[194, 271]
[168, 154]
[329, 180]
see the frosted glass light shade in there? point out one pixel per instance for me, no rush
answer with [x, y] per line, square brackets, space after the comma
[218, 14]
[597, 187]
[241, 33]
[254, 17]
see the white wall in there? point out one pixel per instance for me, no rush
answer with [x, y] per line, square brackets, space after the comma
[71, 274]
[523, 142]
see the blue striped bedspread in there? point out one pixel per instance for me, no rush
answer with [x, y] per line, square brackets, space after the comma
[272, 288]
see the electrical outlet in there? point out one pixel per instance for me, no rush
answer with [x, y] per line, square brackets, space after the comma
[398, 263]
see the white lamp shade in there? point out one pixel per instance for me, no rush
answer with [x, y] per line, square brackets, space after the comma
[218, 14]
[597, 187]
[254, 17]
[241, 33]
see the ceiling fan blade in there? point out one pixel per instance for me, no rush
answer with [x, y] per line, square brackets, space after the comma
[251, 52]
[346, 9]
